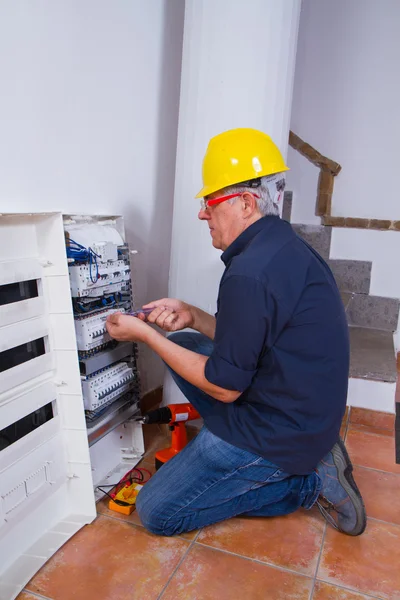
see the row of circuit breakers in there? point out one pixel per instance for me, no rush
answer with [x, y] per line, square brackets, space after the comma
[100, 283]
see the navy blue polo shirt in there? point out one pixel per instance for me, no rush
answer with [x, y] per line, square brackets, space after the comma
[282, 341]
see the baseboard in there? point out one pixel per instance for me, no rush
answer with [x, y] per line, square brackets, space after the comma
[374, 395]
[152, 399]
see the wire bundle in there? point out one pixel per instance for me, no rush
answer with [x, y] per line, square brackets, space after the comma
[81, 254]
[127, 478]
[85, 306]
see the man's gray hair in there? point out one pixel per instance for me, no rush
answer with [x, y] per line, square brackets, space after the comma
[265, 203]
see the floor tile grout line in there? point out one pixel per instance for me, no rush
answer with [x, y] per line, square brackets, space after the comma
[26, 591]
[120, 520]
[256, 560]
[382, 521]
[195, 539]
[178, 566]
[280, 568]
[347, 589]
[318, 561]
[365, 430]
[376, 470]
[389, 433]
[136, 525]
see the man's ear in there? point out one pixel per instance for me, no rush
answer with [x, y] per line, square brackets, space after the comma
[249, 202]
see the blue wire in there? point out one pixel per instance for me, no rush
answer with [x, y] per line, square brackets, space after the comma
[82, 254]
[91, 255]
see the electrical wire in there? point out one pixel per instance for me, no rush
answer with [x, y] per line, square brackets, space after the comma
[91, 254]
[127, 478]
[80, 253]
[119, 502]
[146, 471]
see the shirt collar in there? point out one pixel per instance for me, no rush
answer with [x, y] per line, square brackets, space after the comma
[246, 236]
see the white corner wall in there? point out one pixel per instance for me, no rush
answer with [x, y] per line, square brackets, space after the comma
[237, 71]
[346, 102]
[88, 120]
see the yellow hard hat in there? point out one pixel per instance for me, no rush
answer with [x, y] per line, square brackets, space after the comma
[239, 155]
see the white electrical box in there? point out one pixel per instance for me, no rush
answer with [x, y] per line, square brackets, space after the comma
[68, 392]
[105, 251]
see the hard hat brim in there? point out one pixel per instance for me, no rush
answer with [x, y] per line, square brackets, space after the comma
[207, 190]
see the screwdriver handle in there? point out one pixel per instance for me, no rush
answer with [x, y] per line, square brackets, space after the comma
[145, 311]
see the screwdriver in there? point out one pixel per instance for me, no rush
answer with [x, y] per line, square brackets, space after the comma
[145, 311]
[134, 313]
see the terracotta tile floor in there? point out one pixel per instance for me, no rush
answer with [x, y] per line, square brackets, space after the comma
[288, 558]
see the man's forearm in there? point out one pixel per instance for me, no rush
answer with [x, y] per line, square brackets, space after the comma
[204, 322]
[188, 365]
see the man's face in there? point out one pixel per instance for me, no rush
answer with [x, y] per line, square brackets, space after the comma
[226, 221]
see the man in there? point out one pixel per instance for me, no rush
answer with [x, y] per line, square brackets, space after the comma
[268, 374]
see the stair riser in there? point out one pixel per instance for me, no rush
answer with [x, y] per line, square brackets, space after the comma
[373, 312]
[352, 275]
[287, 206]
[317, 236]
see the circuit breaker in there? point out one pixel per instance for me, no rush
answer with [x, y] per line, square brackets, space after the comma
[91, 332]
[96, 280]
[106, 385]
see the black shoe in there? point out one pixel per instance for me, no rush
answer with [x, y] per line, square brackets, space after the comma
[340, 501]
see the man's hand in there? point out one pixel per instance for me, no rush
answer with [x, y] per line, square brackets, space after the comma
[170, 314]
[188, 364]
[125, 328]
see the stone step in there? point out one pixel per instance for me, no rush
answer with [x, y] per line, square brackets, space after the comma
[372, 354]
[372, 312]
[317, 236]
[287, 206]
[352, 275]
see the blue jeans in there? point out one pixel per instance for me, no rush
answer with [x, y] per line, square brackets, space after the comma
[210, 480]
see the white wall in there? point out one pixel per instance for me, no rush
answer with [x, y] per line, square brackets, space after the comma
[346, 103]
[88, 120]
[226, 82]
[237, 71]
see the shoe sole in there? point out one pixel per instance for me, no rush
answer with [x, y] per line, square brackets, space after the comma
[345, 475]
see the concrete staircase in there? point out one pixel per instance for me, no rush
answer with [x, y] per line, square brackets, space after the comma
[372, 321]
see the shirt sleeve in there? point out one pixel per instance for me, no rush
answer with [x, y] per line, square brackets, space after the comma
[248, 320]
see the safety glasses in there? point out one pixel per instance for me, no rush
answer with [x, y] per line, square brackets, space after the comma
[206, 203]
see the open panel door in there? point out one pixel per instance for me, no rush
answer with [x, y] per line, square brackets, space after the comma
[46, 489]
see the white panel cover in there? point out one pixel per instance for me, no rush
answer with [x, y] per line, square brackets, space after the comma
[38, 484]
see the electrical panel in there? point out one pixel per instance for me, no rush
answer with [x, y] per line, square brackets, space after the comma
[68, 392]
[106, 385]
[100, 284]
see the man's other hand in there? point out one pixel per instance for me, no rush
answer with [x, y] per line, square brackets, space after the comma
[169, 314]
[125, 328]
